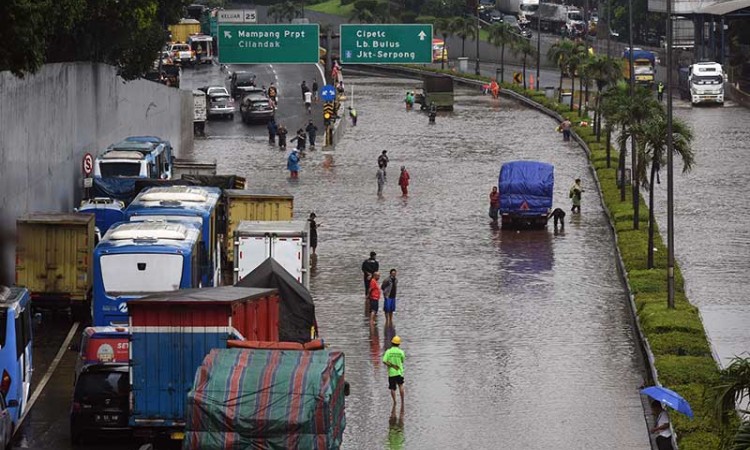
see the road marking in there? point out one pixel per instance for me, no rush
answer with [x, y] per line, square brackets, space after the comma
[48, 374]
[322, 74]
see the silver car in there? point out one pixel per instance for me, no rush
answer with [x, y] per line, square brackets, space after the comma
[220, 104]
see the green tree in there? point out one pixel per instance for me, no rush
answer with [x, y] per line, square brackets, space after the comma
[560, 53]
[443, 27]
[614, 108]
[524, 48]
[285, 11]
[605, 71]
[652, 139]
[464, 27]
[731, 390]
[576, 62]
[502, 35]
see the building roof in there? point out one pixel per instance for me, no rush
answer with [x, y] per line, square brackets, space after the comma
[724, 7]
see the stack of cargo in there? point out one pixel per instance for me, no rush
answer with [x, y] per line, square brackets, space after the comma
[255, 398]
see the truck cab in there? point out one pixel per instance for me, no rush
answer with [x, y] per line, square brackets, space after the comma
[706, 83]
[644, 63]
[136, 157]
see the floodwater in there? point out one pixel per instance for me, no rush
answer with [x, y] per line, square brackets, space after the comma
[712, 232]
[513, 340]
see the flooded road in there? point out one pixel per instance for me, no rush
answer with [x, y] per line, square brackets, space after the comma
[712, 237]
[518, 340]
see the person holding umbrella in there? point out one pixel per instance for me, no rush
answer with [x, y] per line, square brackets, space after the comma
[662, 429]
[661, 395]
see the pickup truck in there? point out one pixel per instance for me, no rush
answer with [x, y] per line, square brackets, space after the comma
[182, 54]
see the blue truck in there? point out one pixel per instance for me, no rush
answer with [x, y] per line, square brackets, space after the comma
[526, 189]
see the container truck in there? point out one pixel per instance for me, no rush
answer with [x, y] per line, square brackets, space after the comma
[558, 18]
[706, 83]
[54, 259]
[526, 190]
[518, 7]
[171, 333]
[255, 204]
[288, 243]
[182, 30]
[644, 63]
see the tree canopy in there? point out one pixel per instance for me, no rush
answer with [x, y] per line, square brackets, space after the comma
[125, 33]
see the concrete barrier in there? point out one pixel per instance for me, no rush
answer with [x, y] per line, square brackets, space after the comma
[51, 119]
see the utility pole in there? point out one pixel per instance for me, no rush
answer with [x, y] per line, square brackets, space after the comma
[633, 154]
[538, 14]
[609, 29]
[476, 67]
[670, 168]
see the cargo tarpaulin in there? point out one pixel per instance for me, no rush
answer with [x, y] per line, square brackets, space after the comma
[267, 399]
[526, 187]
[296, 310]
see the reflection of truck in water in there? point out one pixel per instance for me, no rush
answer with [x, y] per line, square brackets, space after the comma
[644, 63]
[437, 89]
[702, 83]
[526, 189]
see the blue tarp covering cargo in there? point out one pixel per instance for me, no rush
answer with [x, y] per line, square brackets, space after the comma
[640, 54]
[246, 399]
[526, 188]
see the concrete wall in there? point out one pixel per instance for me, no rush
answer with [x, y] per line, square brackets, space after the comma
[49, 120]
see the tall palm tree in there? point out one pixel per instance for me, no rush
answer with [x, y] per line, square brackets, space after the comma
[560, 53]
[733, 389]
[652, 137]
[464, 27]
[576, 61]
[443, 27]
[605, 71]
[614, 108]
[500, 35]
[524, 48]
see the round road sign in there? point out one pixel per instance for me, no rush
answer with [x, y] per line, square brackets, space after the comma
[88, 164]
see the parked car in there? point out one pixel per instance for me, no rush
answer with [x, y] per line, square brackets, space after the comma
[220, 105]
[495, 16]
[100, 401]
[256, 107]
[241, 80]
[210, 90]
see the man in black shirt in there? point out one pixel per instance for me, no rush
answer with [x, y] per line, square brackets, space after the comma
[369, 266]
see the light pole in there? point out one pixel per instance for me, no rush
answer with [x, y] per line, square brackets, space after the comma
[609, 28]
[476, 66]
[538, 15]
[670, 168]
[633, 154]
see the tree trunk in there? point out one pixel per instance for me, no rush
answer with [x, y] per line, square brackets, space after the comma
[598, 119]
[445, 46]
[524, 72]
[580, 96]
[502, 63]
[650, 261]
[609, 146]
[572, 90]
[463, 47]
[621, 167]
[559, 90]
[633, 183]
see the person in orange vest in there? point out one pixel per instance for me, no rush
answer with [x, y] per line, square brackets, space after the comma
[403, 181]
[494, 88]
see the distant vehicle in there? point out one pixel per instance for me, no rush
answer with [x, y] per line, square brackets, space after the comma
[526, 190]
[135, 157]
[706, 83]
[439, 52]
[518, 7]
[220, 104]
[181, 31]
[214, 90]
[182, 54]
[103, 345]
[240, 81]
[256, 108]
[644, 66]
[100, 401]
[437, 89]
[566, 20]
[288, 243]
[517, 26]
[203, 48]
[200, 112]
[107, 211]
[135, 259]
[15, 349]
[495, 16]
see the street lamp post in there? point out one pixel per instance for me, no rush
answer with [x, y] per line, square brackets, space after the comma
[538, 14]
[476, 66]
[633, 154]
[670, 168]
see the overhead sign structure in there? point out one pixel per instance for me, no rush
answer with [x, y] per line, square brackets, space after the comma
[266, 44]
[386, 44]
[328, 93]
[238, 16]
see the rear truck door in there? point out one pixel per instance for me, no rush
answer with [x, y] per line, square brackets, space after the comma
[287, 251]
[252, 251]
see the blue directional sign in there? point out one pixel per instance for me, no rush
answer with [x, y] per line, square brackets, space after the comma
[328, 93]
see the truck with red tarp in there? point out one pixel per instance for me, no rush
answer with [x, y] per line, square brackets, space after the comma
[246, 398]
[171, 333]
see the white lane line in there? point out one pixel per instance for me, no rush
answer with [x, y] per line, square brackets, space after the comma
[322, 74]
[48, 374]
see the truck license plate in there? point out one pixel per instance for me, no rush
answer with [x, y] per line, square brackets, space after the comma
[177, 435]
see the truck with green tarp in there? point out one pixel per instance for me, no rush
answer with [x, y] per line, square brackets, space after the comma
[246, 398]
[437, 89]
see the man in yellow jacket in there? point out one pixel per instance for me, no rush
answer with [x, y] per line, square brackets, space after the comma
[394, 358]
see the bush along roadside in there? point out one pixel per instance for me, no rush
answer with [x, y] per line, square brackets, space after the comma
[676, 339]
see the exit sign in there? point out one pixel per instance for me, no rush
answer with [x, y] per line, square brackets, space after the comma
[386, 44]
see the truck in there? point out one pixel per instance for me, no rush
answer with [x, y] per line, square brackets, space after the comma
[53, 260]
[287, 242]
[526, 190]
[182, 167]
[253, 204]
[644, 63]
[519, 8]
[181, 31]
[705, 83]
[234, 379]
[171, 333]
[437, 89]
[556, 18]
[683, 33]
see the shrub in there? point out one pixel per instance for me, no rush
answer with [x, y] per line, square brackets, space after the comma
[679, 343]
[675, 370]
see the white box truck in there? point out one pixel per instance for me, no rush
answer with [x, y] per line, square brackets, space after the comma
[287, 242]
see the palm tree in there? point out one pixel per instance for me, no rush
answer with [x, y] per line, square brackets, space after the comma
[576, 61]
[605, 71]
[652, 137]
[559, 53]
[523, 47]
[443, 27]
[500, 35]
[614, 108]
[732, 389]
[463, 27]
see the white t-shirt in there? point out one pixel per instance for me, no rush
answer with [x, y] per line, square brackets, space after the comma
[661, 420]
[308, 97]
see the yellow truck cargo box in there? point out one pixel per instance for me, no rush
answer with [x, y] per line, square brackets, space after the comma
[181, 31]
[54, 256]
[246, 204]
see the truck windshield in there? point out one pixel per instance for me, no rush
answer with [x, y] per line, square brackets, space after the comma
[576, 16]
[643, 68]
[710, 79]
[120, 169]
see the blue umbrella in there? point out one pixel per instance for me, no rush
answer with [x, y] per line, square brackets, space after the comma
[669, 398]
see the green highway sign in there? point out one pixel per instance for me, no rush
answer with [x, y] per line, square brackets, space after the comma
[386, 44]
[262, 44]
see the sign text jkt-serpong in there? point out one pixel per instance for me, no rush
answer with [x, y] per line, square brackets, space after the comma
[265, 44]
[386, 44]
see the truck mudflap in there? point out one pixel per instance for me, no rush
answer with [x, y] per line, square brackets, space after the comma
[518, 221]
